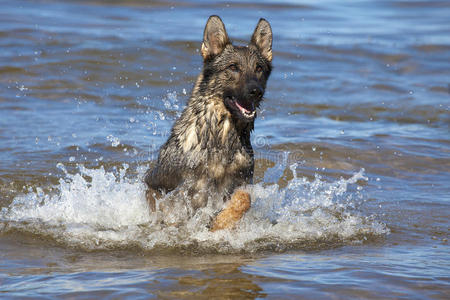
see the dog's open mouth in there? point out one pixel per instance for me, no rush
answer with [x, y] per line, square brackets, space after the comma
[246, 113]
[246, 110]
[250, 114]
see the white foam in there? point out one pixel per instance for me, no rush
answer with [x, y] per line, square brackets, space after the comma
[95, 209]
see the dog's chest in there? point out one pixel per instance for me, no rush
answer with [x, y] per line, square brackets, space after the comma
[227, 154]
[214, 146]
[222, 164]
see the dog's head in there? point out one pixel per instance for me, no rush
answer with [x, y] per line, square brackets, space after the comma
[236, 74]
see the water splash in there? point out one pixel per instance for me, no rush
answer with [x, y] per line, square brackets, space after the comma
[115, 141]
[96, 209]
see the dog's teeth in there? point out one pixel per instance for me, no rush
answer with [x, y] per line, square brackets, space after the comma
[249, 115]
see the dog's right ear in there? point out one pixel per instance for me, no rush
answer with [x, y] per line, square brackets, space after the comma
[215, 38]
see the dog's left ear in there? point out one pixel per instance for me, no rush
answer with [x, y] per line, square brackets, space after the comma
[262, 38]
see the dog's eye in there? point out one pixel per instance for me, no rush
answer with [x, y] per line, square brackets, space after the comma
[258, 69]
[233, 68]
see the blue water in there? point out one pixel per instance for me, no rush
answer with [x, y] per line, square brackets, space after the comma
[351, 196]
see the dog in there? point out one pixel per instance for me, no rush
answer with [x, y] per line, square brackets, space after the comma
[209, 144]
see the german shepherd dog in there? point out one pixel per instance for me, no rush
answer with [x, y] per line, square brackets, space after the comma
[209, 145]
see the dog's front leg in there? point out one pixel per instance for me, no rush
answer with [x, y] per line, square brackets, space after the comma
[233, 212]
[151, 196]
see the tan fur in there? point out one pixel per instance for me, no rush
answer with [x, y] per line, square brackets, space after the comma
[269, 55]
[190, 138]
[225, 130]
[204, 50]
[238, 205]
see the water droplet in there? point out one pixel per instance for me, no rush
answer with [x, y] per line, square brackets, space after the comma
[114, 140]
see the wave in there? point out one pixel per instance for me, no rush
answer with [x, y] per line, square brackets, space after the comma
[94, 209]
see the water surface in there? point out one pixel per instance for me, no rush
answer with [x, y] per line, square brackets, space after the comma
[351, 196]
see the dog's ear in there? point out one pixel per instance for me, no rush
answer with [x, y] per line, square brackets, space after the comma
[262, 38]
[215, 38]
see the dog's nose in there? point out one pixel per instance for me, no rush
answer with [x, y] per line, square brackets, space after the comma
[255, 91]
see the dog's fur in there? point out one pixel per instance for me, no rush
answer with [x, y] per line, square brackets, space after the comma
[210, 144]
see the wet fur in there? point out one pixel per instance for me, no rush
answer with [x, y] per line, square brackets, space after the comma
[209, 144]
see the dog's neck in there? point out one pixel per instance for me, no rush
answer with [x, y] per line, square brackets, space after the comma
[206, 121]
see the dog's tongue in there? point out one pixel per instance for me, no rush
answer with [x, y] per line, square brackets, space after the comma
[244, 110]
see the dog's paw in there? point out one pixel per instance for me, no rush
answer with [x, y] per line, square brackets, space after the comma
[240, 202]
[238, 205]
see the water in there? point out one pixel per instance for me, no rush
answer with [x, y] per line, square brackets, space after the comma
[351, 196]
